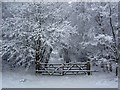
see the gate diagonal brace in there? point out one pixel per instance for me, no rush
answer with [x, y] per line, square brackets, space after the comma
[61, 66]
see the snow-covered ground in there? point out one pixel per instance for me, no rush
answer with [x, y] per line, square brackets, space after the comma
[27, 80]
[0, 79]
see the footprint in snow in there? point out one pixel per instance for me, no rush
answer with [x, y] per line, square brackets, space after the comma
[23, 80]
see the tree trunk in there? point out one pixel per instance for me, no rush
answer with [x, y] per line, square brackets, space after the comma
[37, 57]
[114, 37]
[66, 57]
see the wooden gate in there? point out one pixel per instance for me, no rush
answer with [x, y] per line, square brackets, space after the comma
[65, 69]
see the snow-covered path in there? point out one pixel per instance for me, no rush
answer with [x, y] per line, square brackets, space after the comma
[97, 80]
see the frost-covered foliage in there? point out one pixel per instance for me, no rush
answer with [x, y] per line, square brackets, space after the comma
[97, 29]
[75, 31]
[23, 23]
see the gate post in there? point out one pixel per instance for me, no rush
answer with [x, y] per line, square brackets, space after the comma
[88, 68]
[37, 62]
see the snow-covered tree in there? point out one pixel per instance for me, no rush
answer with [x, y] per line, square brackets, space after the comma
[28, 23]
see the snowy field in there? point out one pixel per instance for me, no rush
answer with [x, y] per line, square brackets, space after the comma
[97, 80]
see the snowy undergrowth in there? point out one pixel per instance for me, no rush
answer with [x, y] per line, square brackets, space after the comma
[27, 80]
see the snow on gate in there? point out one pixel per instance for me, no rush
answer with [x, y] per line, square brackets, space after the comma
[64, 69]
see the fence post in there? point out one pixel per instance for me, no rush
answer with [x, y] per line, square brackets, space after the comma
[117, 71]
[110, 67]
[37, 67]
[89, 68]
